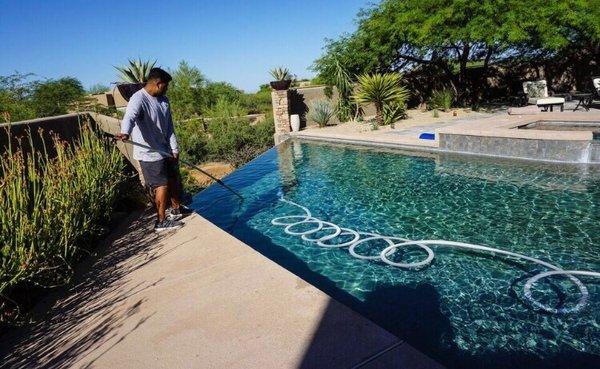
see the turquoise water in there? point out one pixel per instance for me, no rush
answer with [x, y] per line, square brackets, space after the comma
[467, 309]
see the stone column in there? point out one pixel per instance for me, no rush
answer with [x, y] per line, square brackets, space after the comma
[281, 113]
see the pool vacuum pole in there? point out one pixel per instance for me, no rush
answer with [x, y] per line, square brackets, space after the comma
[184, 162]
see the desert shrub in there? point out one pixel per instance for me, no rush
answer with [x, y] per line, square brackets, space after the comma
[442, 100]
[321, 112]
[226, 108]
[259, 102]
[236, 141]
[192, 140]
[50, 206]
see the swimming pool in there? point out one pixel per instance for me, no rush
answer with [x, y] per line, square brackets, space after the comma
[466, 309]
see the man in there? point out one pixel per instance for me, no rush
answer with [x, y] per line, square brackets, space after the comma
[148, 121]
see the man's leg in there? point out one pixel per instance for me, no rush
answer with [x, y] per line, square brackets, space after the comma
[156, 176]
[177, 210]
[174, 184]
[174, 192]
[161, 197]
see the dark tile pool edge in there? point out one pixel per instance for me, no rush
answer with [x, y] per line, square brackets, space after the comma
[426, 149]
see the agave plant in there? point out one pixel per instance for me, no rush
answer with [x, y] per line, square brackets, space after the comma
[136, 71]
[380, 89]
[393, 112]
[281, 74]
[321, 112]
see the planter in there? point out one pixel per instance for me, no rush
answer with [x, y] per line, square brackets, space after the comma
[128, 89]
[295, 122]
[280, 85]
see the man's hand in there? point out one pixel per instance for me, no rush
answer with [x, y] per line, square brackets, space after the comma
[175, 156]
[122, 136]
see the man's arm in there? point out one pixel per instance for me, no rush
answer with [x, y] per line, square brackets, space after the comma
[172, 138]
[132, 113]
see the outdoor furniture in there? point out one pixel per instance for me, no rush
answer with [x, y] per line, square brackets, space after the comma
[596, 82]
[537, 94]
[550, 102]
[585, 99]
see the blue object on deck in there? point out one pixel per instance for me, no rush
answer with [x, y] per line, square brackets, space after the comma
[427, 136]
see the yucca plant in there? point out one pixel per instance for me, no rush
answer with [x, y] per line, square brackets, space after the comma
[136, 71]
[281, 74]
[379, 90]
[321, 111]
[345, 87]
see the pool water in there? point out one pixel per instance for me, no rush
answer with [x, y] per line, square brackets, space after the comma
[467, 309]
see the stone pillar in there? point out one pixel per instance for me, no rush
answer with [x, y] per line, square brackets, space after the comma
[281, 113]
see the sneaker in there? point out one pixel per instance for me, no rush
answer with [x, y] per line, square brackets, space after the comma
[166, 225]
[180, 212]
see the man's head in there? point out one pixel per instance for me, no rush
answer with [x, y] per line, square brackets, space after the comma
[157, 82]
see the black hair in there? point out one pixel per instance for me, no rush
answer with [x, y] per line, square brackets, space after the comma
[160, 74]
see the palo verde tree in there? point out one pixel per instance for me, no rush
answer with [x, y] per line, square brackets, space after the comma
[448, 37]
[187, 91]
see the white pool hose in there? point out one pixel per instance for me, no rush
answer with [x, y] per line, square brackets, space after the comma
[292, 221]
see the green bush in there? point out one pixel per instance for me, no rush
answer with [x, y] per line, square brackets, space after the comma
[441, 100]
[192, 140]
[223, 137]
[257, 103]
[236, 141]
[51, 205]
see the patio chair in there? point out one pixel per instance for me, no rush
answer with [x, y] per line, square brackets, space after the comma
[596, 83]
[537, 94]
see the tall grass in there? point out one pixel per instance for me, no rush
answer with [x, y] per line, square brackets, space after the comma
[49, 206]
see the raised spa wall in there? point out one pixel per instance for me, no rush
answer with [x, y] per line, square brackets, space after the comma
[571, 151]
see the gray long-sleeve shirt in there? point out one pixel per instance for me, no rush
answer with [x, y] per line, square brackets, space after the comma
[148, 121]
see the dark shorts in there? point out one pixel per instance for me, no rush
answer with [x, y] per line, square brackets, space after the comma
[158, 173]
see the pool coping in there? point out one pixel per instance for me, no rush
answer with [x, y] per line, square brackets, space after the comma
[496, 136]
[340, 139]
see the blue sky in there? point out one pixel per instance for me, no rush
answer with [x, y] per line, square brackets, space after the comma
[234, 41]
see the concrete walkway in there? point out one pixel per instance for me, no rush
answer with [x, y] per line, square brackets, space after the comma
[197, 298]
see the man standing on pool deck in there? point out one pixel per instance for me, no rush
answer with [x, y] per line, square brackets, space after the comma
[148, 121]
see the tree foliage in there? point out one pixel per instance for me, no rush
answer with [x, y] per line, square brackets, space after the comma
[186, 91]
[15, 98]
[22, 99]
[447, 38]
[54, 97]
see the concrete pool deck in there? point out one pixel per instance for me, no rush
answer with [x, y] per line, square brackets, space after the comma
[495, 135]
[197, 298]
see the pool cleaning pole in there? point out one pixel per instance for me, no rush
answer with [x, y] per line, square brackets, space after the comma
[184, 162]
